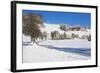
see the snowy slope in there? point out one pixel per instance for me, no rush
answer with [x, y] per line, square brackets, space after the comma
[56, 27]
[51, 27]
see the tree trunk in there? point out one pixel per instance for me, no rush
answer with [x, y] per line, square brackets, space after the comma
[33, 40]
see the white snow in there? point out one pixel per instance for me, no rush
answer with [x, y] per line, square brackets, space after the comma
[26, 38]
[35, 53]
[72, 43]
[56, 27]
[51, 27]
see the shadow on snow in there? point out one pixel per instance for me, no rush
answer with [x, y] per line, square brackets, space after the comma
[27, 44]
[81, 51]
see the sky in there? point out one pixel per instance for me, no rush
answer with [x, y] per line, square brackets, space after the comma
[67, 18]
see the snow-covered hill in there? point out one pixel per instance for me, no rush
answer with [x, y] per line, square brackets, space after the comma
[56, 27]
[51, 27]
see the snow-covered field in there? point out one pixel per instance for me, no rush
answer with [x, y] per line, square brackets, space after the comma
[56, 50]
[72, 43]
[38, 53]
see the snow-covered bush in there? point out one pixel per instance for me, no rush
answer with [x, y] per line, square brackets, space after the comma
[55, 35]
[44, 35]
[63, 27]
[84, 37]
[75, 36]
[64, 36]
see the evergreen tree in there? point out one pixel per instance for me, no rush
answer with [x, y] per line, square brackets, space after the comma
[63, 27]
